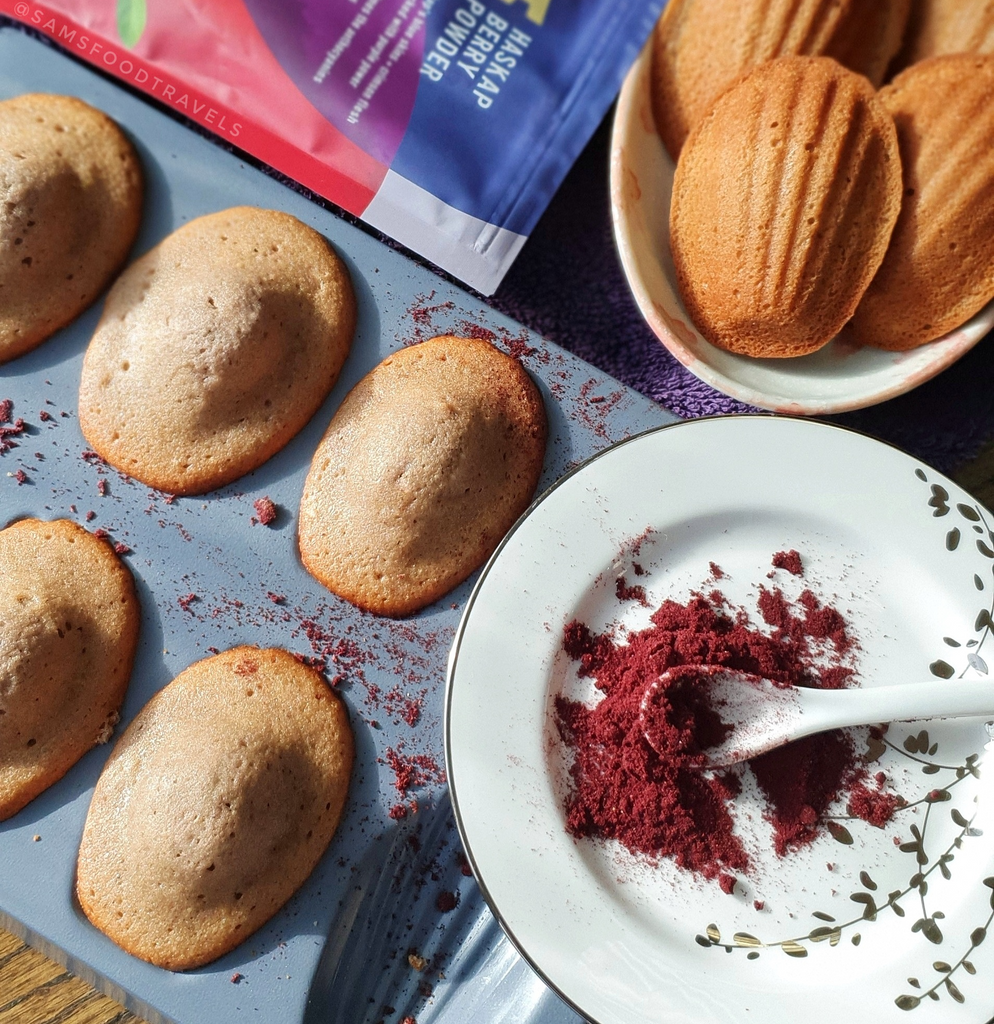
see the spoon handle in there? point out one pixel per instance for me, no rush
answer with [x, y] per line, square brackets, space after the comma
[909, 702]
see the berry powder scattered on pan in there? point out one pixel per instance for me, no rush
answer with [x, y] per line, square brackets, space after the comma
[265, 511]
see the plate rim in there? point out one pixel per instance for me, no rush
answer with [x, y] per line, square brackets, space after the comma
[484, 575]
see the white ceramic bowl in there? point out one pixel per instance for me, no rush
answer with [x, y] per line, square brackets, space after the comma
[838, 377]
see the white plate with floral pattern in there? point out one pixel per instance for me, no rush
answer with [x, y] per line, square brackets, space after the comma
[864, 924]
[836, 378]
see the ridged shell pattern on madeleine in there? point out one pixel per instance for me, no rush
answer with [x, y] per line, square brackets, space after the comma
[867, 41]
[215, 348]
[424, 468]
[783, 203]
[700, 46]
[939, 27]
[939, 269]
[214, 807]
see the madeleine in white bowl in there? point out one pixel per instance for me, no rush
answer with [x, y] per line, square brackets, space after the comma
[840, 376]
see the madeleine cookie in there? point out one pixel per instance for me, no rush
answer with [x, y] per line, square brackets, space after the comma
[939, 269]
[68, 633]
[867, 40]
[215, 349]
[939, 27]
[214, 807]
[426, 465]
[784, 200]
[701, 46]
[70, 205]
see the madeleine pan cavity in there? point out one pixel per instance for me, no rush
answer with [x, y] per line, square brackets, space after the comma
[214, 807]
[215, 349]
[426, 465]
[783, 203]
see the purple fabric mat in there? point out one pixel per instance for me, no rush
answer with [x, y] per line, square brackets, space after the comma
[568, 285]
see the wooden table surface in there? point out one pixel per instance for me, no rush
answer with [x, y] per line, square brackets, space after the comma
[34, 990]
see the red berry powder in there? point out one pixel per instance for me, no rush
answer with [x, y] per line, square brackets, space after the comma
[789, 560]
[873, 805]
[678, 718]
[660, 805]
[9, 427]
[447, 901]
[265, 510]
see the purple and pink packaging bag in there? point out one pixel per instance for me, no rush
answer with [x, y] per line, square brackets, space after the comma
[445, 124]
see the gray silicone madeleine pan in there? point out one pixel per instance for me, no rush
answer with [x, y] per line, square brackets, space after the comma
[373, 935]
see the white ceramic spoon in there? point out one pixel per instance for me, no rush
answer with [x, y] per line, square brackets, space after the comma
[763, 716]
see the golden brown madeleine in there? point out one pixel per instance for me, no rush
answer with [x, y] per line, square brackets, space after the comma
[215, 349]
[70, 205]
[214, 807]
[784, 200]
[938, 27]
[69, 621]
[700, 46]
[939, 268]
[426, 465]
[868, 39]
